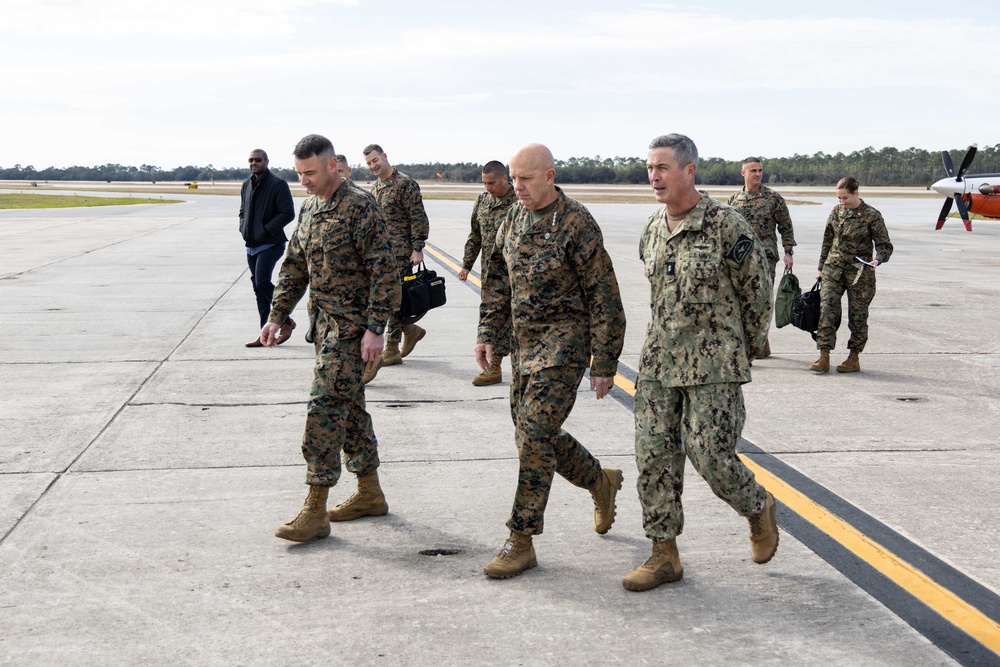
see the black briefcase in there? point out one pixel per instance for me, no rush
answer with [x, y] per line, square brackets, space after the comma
[423, 290]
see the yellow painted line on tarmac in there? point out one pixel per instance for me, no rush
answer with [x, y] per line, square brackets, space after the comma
[433, 252]
[951, 607]
[948, 605]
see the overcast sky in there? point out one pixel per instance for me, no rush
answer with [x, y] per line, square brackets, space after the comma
[204, 81]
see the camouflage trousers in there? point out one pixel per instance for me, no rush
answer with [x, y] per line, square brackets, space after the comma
[337, 419]
[836, 281]
[539, 405]
[704, 422]
[394, 328]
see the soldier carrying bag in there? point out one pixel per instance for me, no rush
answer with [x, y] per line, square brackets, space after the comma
[422, 290]
[788, 291]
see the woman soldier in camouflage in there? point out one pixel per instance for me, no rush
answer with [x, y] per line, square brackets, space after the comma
[846, 262]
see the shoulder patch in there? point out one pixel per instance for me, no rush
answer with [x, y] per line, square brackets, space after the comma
[740, 249]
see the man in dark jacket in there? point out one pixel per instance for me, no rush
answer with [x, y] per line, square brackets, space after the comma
[265, 208]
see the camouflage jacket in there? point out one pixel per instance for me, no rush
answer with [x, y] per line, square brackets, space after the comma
[399, 198]
[340, 250]
[710, 297]
[765, 211]
[555, 281]
[851, 233]
[487, 215]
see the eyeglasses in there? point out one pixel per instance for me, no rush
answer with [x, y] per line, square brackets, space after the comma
[255, 159]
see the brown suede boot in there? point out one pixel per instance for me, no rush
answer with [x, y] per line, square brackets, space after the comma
[851, 365]
[391, 355]
[312, 523]
[371, 370]
[764, 533]
[368, 500]
[516, 556]
[604, 492]
[822, 365]
[492, 375]
[766, 352]
[412, 334]
[663, 567]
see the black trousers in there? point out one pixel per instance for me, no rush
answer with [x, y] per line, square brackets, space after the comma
[261, 267]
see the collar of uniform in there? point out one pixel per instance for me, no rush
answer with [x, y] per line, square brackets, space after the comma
[506, 200]
[694, 220]
[852, 212]
[759, 193]
[334, 199]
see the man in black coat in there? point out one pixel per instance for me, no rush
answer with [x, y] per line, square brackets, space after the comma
[265, 208]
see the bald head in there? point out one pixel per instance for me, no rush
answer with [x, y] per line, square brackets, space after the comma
[534, 172]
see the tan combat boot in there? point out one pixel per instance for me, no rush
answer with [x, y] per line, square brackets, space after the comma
[492, 375]
[312, 523]
[822, 365]
[851, 365]
[766, 352]
[604, 492]
[391, 355]
[368, 500]
[764, 533]
[371, 370]
[412, 334]
[663, 567]
[516, 556]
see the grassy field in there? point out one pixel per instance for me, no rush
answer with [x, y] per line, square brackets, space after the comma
[70, 201]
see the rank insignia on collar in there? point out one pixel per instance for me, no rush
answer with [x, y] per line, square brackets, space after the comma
[740, 249]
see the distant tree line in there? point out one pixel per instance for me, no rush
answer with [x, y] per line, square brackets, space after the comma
[888, 166]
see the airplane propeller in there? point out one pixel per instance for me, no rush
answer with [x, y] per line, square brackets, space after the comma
[949, 168]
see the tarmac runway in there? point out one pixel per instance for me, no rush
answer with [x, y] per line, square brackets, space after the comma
[146, 457]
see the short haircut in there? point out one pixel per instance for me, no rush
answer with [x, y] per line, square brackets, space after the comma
[752, 159]
[370, 148]
[496, 168]
[342, 159]
[261, 151]
[685, 152]
[313, 144]
[848, 183]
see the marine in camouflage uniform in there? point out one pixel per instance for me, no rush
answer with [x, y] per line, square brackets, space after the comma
[487, 214]
[768, 216]
[849, 233]
[340, 252]
[710, 305]
[552, 277]
[403, 208]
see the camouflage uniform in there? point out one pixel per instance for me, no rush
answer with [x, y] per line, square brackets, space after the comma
[710, 309]
[487, 215]
[340, 251]
[766, 211]
[555, 281]
[849, 233]
[399, 198]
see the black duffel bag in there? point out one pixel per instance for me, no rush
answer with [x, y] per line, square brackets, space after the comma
[423, 290]
[805, 311]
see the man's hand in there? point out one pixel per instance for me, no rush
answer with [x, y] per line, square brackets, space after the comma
[463, 275]
[269, 334]
[416, 257]
[484, 355]
[819, 274]
[371, 346]
[789, 260]
[601, 385]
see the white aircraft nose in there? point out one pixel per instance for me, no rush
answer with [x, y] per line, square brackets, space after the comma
[949, 187]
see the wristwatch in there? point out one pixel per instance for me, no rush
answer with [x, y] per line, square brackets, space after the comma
[377, 329]
[790, 251]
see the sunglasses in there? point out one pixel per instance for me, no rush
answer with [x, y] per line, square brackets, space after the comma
[255, 159]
